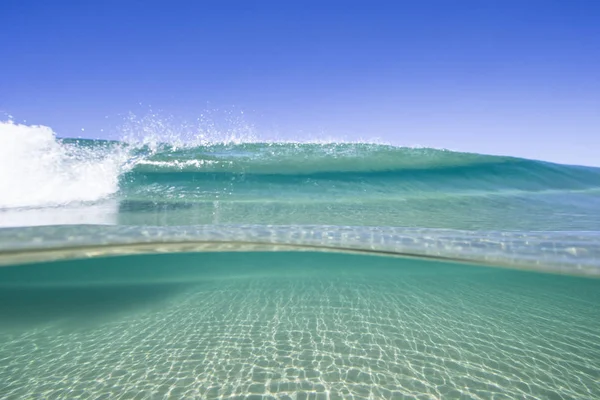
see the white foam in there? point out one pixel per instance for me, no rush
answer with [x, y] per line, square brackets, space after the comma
[37, 170]
[99, 213]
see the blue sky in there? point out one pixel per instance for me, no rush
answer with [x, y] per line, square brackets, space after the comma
[517, 77]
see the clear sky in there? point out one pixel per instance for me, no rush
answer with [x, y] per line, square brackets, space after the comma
[517, 77]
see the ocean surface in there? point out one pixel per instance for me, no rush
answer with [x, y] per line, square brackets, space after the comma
[241, 269]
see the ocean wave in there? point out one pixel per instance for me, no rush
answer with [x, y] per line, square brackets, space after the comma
[362, 164]
[37, 169]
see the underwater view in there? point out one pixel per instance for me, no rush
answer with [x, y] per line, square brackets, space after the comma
[293, 270]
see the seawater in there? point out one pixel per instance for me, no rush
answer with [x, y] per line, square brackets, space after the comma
[294, 325]
[241, 269]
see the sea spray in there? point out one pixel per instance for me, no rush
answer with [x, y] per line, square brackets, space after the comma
[37, 169]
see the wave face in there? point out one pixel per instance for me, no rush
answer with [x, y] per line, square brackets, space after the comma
[339, 184]
[350, 161]
[359, 184]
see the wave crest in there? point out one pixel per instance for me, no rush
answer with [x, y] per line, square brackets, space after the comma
[306, 158]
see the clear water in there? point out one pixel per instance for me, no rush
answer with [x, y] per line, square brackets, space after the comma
[298, 325]
[237, 270]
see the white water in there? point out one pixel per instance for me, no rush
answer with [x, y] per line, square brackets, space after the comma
[37, 170]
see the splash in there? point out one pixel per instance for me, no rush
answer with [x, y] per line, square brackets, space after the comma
[158, 132]
[37, 169]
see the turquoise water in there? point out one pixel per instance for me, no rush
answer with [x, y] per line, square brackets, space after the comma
[295, 325]
[294, 270]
